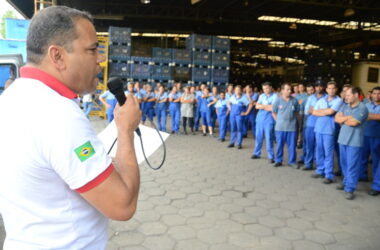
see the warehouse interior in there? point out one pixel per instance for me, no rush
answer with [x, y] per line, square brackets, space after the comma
[275, 40]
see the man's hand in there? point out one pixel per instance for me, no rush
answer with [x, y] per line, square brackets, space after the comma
[128, 116]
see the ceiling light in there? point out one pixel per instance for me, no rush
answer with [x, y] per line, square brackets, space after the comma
[145, 1]
[349, 12]
[293, 26]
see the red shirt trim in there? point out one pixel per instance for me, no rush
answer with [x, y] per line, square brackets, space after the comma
[48, 80]
[95, 182]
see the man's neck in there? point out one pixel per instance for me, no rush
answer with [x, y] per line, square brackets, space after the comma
[355, 103]
[318, 94]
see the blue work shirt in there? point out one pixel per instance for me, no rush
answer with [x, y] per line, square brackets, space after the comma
[238, 105]
[204, 103]
[353, 136]
[371, 127]
[286, 114]
[161, 105]
[302, 97]
[175, 97]
[150, 96]
[311, 101]
[228, 96]
[107, 95]
[222, 106]
[326, 124]
[263, 115]
[254, 96]
[137, 94]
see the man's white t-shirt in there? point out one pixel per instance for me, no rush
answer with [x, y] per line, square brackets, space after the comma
[49, 153]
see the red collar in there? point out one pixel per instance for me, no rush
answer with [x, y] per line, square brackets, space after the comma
[48, 80]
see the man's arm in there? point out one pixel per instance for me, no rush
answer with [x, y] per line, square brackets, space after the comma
[323, 112]
[116, 197]
[373, 117]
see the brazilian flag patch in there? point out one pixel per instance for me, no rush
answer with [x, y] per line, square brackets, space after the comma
[85, 151]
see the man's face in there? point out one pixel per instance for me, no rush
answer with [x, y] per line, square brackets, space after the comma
[130, 88]
[230, 89]
[318, 89]
[310, 90]
[82, 63]
[375, 96]
[214, 90]
[286, 91]
[301, 88]
[222, 96]
[349, 97]
[238, 91]
[331, 90]
[267, 89]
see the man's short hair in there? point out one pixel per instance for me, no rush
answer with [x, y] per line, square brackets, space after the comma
[285, 84]
[310, 85]
[266, 84]
[52, 26]
[333, 83]
[355, 90]
[376, 88]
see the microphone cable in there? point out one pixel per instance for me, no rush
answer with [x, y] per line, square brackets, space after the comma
[143, 150]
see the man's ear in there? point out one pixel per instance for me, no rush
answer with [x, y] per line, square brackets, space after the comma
[56, 55]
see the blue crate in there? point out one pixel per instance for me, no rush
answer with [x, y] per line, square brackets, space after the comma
[220, 59]
[16, 28]
[140, 60]
[201, 74]
[161, 61]
[141, 71]
[222, 44]
[201, 58]
[120, 35]
[8, 46]
[181, 56]
[119, 52]
[220, 75]
[199, 41]
[161, 72]
[119, 69]
[162, 53]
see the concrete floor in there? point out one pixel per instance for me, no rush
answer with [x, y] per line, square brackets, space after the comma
[208, 196]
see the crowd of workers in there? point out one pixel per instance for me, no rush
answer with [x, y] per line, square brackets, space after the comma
[312, 117]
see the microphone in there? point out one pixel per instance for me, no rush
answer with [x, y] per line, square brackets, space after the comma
[115, 85]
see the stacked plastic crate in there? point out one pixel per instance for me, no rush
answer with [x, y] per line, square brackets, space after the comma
[200, 46]
[119, 52]
[162, 66]
[140, 69]
[220, 61]
[181, 65]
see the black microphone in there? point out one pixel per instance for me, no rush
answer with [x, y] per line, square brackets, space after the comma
[115, 85]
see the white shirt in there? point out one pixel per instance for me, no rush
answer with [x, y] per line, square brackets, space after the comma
[87, 98]
[41, 175]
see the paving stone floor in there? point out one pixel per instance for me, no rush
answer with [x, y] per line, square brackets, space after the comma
[208, 196]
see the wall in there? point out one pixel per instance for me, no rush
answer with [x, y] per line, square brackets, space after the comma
[360, 75]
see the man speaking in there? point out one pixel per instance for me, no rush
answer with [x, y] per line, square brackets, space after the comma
[58, 186]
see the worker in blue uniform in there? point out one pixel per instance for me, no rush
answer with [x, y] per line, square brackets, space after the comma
[301, 97]
[371, 144]
[198, 96]
[134, 92]
[206, 101]
[215, 94]
[175, 109]
[352, 116]
[222, 111]
[285, 109]
[161, 106]
[229, 94]
[265, 122]
[109, 101]
[309, 91]
[149, 99]
[325, 129]
[239, 106]
[250, 119]
[310, 124]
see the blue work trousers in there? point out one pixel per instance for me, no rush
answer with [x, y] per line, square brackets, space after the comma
[249, 122]
[350, 160]
[324, 156]
[161, 116]
[371, 147]
[175, 114]
[290, 138]
[236, 122]
[267, 131]
[309, 154]
[112, 103]
[222, 119]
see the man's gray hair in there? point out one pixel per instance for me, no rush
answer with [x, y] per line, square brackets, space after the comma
[52, 26]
